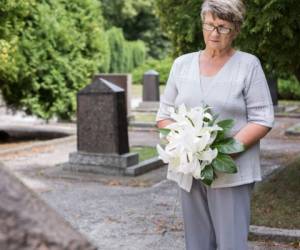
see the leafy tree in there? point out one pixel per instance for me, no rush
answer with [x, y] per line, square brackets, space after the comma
[161, 66]
[50, 50]
[117, 49]
[138, 53]
[125, 55]
[139, 21]
[11, 15]
[271, 31]
[181, 22]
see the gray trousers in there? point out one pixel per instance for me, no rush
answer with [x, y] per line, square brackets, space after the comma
[216, 218]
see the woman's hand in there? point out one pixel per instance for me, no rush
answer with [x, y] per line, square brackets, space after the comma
[164, 123]
[251, 133]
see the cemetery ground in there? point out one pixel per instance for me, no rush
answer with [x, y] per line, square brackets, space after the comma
[143, 212]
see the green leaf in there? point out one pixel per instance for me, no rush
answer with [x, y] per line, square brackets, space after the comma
[164, 131]
[229, 146]
[226, 125]
[208, 174]
[224, 163]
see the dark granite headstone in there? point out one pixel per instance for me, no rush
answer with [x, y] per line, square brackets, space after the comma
[150, 101]
[151, 86]
[2, 105]
[27, 223]
[273, 86]
[102, 132]
[123, 81]
[102, 119]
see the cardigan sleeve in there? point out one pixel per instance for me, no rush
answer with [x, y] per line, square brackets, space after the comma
[258, 99]
[168, 97]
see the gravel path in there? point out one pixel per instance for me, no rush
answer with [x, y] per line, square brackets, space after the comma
[124, 212]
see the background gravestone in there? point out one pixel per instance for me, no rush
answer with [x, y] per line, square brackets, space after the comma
[2, 105]
[151, 86]
[27, 223]
[150, 92]
[124, 81]
[273, 86]
[101, 119]
[102, 132]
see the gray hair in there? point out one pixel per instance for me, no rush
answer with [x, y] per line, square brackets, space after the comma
[228, 10]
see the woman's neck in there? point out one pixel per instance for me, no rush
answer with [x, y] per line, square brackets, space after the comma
[218, 54]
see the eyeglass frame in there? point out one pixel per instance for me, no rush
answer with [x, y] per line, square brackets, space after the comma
[217, 28]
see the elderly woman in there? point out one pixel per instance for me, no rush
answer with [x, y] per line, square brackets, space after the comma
[233, 83]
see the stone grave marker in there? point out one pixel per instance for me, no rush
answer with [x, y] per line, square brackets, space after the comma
[124, 81]
[28, 223]
[150, 91]
[102, 132]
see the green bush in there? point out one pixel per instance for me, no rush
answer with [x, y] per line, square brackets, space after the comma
[54, 47]
[117, 50]
[270, 31]
[128, 57]
[139, 21]
[125, 55]
[138, 53]
[289, 89]
[161, 66]
[11, 15]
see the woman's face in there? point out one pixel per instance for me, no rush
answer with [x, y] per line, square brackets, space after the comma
[214, 39]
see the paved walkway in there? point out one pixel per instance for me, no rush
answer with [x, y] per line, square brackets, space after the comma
[123, 212]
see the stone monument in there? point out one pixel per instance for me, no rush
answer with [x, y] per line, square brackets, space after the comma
[102, 132]
[273, 86]
[150, 91]
[27, 223]
[2, 105]
[124, 81]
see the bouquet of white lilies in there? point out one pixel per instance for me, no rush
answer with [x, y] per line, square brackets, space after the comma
[197, 144]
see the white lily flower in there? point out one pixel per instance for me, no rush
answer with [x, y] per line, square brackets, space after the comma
[208, 155]
[188, 167]
[188, 150]
[162, 154]
[203, 141]
[208, 116]
[180, 115]
[212, 138]
[215, 127]
[174, 163]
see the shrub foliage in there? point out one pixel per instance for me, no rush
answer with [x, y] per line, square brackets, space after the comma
[271, 31]
[49, 50]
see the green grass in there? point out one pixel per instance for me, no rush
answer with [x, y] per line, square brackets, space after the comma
[276, 202]
[136, 90]
[143, 117]
[289, 102]
[144, 152]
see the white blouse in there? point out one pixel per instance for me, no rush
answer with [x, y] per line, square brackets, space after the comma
[238, 91]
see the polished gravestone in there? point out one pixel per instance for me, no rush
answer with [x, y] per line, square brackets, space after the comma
[150, 91]
[27, 223]
[124, 81]
[273, 87]
[102, 132]
[2, 104]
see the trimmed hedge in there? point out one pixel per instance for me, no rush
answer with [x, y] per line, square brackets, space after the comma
[54, 47]
[161, 66]
[125, 55]
[289, 89]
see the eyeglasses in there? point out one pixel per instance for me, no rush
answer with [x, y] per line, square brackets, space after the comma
[220, 29]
